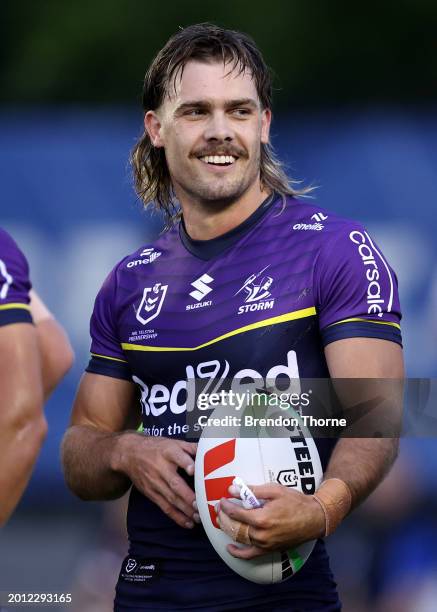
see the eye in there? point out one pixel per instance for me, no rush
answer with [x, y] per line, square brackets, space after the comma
[194, 112]
[241, 112]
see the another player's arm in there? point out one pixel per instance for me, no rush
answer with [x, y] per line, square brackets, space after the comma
[102, 457]
[22, 423]
[55, 349]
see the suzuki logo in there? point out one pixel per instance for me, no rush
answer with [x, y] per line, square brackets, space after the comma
[201, 287]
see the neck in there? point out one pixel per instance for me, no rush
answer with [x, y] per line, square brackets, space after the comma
[204, 222]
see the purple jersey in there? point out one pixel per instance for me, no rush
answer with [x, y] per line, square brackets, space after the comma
[257, 303]
[14, 283]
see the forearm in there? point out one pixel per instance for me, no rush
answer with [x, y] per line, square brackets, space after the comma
[93, 460]
[54, 346]
[19, 448]
[362, 463]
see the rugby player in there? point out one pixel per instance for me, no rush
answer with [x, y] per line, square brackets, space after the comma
[33, 359]
[249, 280]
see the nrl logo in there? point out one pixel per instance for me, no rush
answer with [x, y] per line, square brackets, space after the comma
[130, 565]
[151, 304]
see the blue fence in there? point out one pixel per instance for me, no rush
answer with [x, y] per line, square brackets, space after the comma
[68, 201]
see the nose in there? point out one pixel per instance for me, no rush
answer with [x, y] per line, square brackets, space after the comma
[219, 128]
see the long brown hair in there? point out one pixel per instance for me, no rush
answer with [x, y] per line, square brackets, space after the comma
[202, 42]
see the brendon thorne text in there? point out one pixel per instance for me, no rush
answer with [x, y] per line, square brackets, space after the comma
[278, 421]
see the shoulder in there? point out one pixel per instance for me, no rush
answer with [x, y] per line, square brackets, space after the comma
[9, 249]
[307, 216]
[143, 261]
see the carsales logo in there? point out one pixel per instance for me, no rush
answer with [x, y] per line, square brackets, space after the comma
[368, 253]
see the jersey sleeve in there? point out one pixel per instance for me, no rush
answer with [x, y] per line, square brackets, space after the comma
[356, 289]
[107, 357]
[14, 283]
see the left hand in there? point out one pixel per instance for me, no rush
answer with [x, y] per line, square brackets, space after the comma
[287, 519]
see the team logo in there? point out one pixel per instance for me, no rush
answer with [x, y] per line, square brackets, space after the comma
[148, 255]
[201, 290]
[287, 478]
[5, 280]
[257, 289]
[130, 565]
[151, 304]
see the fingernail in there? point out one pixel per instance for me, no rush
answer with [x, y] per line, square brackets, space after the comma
[189, 524]
[217, 507]
[195, 505]
[196, 517]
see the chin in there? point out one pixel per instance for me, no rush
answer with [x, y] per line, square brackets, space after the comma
[223, 194]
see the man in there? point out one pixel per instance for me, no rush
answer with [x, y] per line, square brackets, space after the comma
[33, 359]
[179, 310]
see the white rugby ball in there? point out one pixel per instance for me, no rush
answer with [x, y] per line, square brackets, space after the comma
[275, 454]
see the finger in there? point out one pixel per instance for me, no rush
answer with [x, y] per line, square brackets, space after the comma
[234, 491]
[245, 552]
[228, 525]
[179, 486]
[181, 458]
[171, 511]
[267, 491]
[176, 491]
[238, 513]
[189, 447]
[196, 517]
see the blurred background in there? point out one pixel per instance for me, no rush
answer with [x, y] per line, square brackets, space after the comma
[355, 113]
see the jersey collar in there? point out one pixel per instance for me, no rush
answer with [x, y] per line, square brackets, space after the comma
[207, 249]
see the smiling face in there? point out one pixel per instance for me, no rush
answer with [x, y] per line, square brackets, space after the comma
[211, 126]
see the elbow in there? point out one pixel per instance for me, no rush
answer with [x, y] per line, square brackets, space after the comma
[62, 360]
[66, 360]
[32, 432]
[27, 432]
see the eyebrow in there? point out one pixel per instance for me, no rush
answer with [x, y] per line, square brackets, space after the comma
[206, 104]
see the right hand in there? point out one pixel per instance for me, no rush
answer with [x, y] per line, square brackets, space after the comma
[151, 463]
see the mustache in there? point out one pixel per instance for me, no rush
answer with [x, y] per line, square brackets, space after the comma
[220, 150]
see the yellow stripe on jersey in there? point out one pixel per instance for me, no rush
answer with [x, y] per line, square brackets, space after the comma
[366, 321]
[290, 316]
[106, 357]
[15, 305]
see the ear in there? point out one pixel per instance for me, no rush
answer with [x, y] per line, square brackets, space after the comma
[152, 125]
[266, 119]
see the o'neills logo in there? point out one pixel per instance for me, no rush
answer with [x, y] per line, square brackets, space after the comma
[308, 226]
[367, 251]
